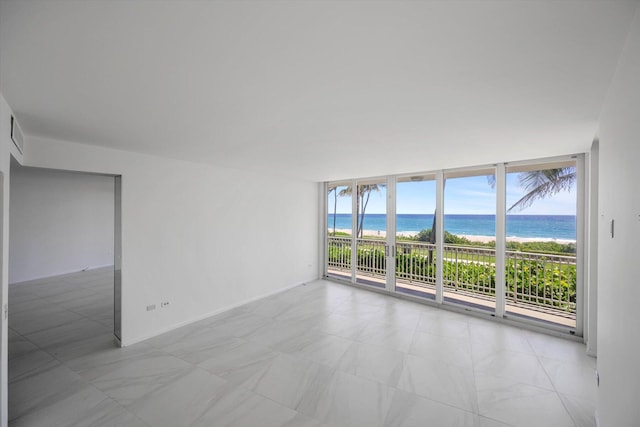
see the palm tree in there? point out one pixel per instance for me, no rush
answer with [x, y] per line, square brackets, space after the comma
[334, 188]
[364, 192]
[540, 184]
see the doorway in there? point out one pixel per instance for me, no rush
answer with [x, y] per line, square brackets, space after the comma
[64, 222]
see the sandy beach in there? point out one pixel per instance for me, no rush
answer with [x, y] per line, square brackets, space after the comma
[473, 238]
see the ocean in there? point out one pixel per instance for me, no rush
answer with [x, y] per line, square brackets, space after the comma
[523, 226]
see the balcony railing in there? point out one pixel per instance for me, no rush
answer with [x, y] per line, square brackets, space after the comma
[540, 282]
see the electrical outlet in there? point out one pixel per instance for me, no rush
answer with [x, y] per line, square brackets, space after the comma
[164, 304]
[151, 307]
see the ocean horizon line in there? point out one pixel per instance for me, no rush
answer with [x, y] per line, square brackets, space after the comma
[518, 225]
[472, 237]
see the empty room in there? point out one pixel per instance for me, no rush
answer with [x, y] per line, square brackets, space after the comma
[319, 213]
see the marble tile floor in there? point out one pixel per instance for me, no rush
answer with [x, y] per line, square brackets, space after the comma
[320, 354]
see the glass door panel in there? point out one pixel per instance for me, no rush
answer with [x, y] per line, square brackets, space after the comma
[469, 272]
[339, 230]
[415, 243]
[541, 276]
[371, 233]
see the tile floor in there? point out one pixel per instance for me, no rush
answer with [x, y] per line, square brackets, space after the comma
[321, 354]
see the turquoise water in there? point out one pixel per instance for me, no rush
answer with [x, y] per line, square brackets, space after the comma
[525, 226]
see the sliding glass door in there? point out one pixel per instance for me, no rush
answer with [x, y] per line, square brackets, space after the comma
[339, 230]
[541, 274]
[357, 248]
[503, 239]
[415, 235]
[469, 273]
[371, 233]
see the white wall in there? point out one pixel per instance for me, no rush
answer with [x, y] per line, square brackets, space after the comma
[203, 238]
[60, 222]
[618, 280]
[7, 149]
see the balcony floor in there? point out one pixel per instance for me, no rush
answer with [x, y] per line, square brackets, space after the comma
[465, 299]
[320, 354]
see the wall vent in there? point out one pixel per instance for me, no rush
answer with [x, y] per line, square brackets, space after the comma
[16, 134]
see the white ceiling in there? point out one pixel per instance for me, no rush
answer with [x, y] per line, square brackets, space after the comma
[316, 90]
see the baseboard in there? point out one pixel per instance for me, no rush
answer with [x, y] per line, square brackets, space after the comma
[126, 343]
[60, 274]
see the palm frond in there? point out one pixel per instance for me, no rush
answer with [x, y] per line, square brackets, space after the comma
[543, 183]
[345, 192]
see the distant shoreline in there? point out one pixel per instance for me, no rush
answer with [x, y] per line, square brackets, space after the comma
[471, 237]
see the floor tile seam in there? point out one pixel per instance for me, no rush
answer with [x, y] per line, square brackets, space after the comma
[281, 404]
[502, 349]
[36, 297]
[553, 384]
[566, 361]
[211, 401]
[87, 306]
[49, 294]
[464, 340]
[573, 395]
[434, 360]
[78, 371]
[57, 306]
[355, 374]
[22, 293]
[115, 402]
[50, 400]
[146, 379]
[440, 402]
[195, 364]
[493, 354]
[566, 409]
[362, 341]
[85, 317]
[497, 421]
[318, 329]
[57, 326]
[20, 334]
[27, 355]
[413, 337]
[555, 393]
[473, 375]
[567, 339]
[84, 293]
[297, 355]
[31, 373]
[475, 412]
[317, 392]
[42, 349]
[517, 381]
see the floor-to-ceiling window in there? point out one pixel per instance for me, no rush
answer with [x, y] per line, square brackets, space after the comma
[502, 239]
[469, 274]
[541, 233]
[339, 230]
[415, 235]
[371, 232]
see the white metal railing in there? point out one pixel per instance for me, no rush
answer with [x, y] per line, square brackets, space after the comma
[541, 282]
[469, 270]
[544, 281]
[415, 263]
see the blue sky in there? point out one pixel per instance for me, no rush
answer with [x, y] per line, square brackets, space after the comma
[468, 195]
